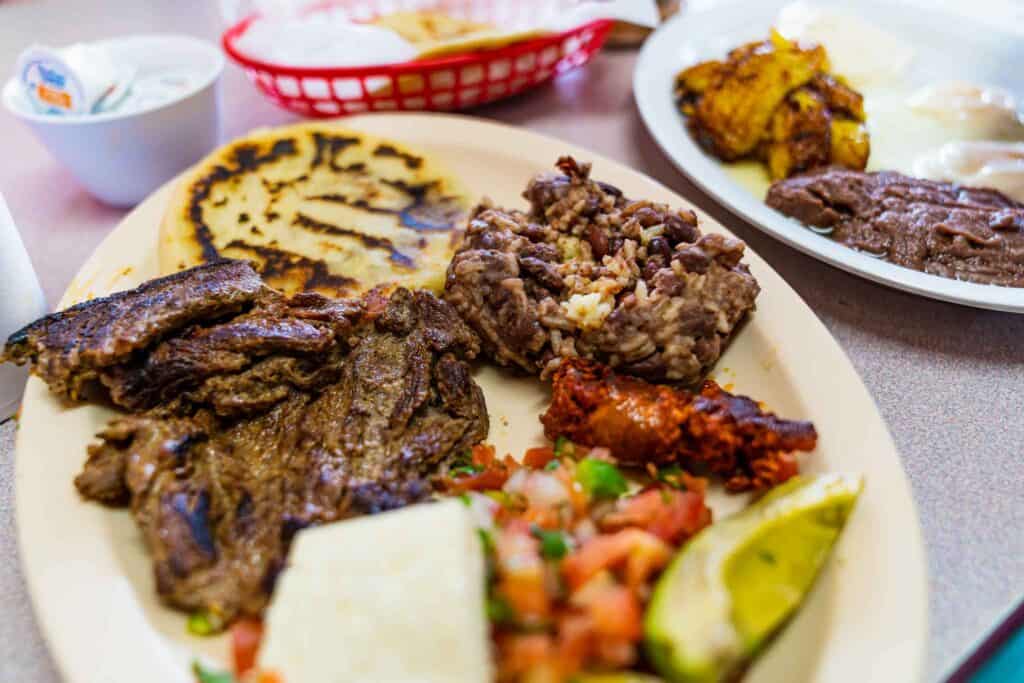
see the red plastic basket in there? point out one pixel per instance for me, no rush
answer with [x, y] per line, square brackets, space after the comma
[434, 84]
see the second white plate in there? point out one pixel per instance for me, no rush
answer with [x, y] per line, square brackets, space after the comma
[947, 45]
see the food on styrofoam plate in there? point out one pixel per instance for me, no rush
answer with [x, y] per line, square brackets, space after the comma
[393, 597]
[984, 163]
[589, 272]
[319, 208]
[815, 143]
[776, 101]
[969, 234]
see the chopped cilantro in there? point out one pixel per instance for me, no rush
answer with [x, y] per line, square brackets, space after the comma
[600, 479]
[564, 447]
[487, 540]
[553, 544]
[465, 499]
[499, 611]
[204, 675]
[467, 470]
[552, 465]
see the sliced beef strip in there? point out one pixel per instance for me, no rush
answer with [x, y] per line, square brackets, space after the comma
[68, 348]
[957, 232]
[265, 418]
[309, 327]
[219, 498]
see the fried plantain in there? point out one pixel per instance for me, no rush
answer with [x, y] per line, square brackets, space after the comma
[839, 97]
[799, 134]
[692, 82]
[851, 144]
[734, 112]
[774, 100]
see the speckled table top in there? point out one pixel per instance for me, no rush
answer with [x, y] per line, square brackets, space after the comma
[949, 380]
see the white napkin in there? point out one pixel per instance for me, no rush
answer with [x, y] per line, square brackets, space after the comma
[284, 34]
[21, 302]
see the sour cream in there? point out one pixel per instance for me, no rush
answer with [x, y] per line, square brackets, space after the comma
[859, 51]
[997, 165]
[979, 110]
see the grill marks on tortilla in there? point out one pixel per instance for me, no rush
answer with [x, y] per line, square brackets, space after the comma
[368, 241]
[421, 214]
[247, 158]
[268, 191]
[328, 147]
[273, 263]
[412, 161]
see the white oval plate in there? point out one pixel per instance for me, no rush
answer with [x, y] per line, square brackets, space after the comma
[90, 578]
[948, 46]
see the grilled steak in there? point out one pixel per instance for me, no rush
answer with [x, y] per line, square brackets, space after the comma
[956, 232]
[73, 347]
[288, 413]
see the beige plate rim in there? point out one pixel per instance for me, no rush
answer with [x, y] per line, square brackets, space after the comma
[866, 618]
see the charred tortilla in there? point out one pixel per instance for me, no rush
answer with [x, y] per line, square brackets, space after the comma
[317, 207]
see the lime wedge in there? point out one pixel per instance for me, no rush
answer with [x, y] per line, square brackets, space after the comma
[737, 582]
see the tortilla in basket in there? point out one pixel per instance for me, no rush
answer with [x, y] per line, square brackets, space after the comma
[436, 34]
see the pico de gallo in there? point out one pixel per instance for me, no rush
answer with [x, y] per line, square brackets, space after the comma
[572, 554]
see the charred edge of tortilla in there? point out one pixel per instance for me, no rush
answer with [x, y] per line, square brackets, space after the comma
[423, 213]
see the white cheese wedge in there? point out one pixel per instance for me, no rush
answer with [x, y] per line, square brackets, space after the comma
[393, 598]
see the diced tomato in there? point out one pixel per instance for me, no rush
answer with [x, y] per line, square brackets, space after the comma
[488, 480]
[668, 513]
[577, 497]
[697, 485]
[575, 634]
[521, 652]
[521, 580]
[483, 455]
[615, 653]
[613, 619]
[615, 613]
[539, 457]
[640, 552]
[246, 636]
